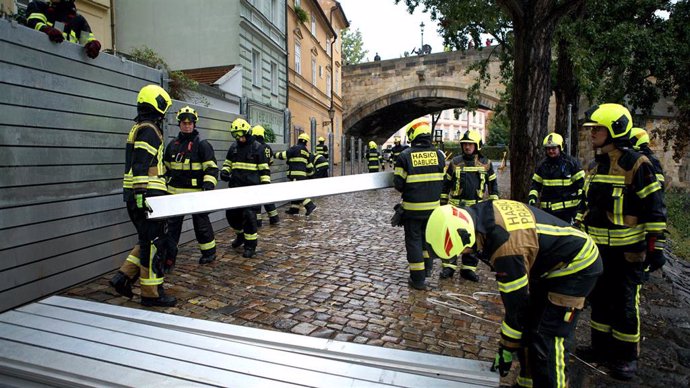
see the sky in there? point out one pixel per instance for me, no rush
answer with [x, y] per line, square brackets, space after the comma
[389, 29]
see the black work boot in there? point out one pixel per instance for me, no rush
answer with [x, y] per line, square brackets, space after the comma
[259, 222]
[205, 259]
[163, 300]
[422, 286]
[310, 208]
[238, 241]
[274, 220]
[623, 370]
[292, 210]
[122, 284]
[447, 273]
[249, 252]
[469, 275]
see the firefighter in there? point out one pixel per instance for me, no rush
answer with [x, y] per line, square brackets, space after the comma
[60, 20]
[640, 143]
[545, 269]
[259, 133]
[245, 164]
[396, 150]
[322, 148]
[467, 178]
[190, 167]
[419, 177]
[623, 211]
[320, 167]
[375, 162]
[558, 180]
[300, 167]
[145, 177]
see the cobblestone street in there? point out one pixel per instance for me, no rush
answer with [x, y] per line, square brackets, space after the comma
[340, 273]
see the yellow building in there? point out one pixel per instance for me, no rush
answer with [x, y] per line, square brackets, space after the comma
[314, 61]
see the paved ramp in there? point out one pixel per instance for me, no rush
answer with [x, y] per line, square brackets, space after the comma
[71, 342]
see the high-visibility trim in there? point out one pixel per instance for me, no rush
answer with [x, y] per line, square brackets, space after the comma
[559, 355]
[181, 190]
[537, 178]
[417, 266]
[207, 246]
[263, 166]
[655, 226]
[425, 254]
[534, 193]
[586, 257]
[238, 232]
[179, 166]
[251, 236]
[650, 188]
[560, 205]
[298, 159]
[492, 177]
[660, 178]
[579, 175]
[431, 177]
[296, 173]
[151, 281]
[420, 206]
[618, 199]
[626, 337]
[265, 179]
[599, 326]
[617, 237]
[525, 382]
[510, 332]
[209, 164]
[514, 285]
[399, 171]
[612, 179]
[245, 166]
[447, 264]
[146, 147]
[557, 182]
[133, 259]
[322, 164]
[470, 267]
[211, 178]
[473, 169]
[553, 230]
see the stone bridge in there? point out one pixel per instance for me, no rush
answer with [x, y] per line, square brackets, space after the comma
[381, 97]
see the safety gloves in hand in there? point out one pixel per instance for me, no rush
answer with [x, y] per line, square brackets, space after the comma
[140, 200]
[54, 34]
[208, 186]
[655, 257]
[503, 361]
[225, 175]
[93, 48]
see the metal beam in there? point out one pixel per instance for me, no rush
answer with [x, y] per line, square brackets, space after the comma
[209, 201]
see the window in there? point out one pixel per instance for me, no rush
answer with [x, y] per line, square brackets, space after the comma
[313, 70]
[337, 82]
[298, 3]
[274, 11]
[256, 68]
[320, 71]
[274, 78]
[298, 57]
[313, 24]
[328, 84]
[328, 49]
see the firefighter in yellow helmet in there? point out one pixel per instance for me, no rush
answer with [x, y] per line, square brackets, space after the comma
[300, 167]
[144, 177]
[191, 166]
[419, 177]
[469, 177]
[545, 269]
[259, 134]
[322, 148]
[246, 164]
[557, 182]
[398, 147]
[640, 143]
[374, 159]
[624, 212]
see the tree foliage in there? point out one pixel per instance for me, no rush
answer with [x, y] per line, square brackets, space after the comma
[353, 47]
[179, 82]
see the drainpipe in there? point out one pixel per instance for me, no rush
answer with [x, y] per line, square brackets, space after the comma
[112, 26]
[332, 108]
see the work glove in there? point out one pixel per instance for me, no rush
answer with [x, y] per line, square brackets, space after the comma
[655, 257]
[396, 220]
[503, 361]
[225, 175]
[54, 34]
[92, 48]
[532, 201]
[140, 199]
[208, 186]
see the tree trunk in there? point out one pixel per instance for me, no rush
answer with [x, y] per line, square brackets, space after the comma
[567, 91]
[529, 111]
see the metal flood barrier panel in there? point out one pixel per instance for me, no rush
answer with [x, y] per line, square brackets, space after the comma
[64, 120]
[70, 342]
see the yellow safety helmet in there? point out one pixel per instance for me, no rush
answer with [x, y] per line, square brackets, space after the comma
[156, 97]
[187, 114]
[304, 136]
[472, 136]
[638, 137]
[396, 139]
[372, 145]
[258, 130]
[418, 127]
[239, 128]
[449, 231]
[553, 140]
[615, 117]
[321, 139]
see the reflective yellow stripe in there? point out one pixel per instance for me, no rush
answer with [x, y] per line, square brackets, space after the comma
[524, 382]
[510, 332]
[470, 267]
[613, 179]
[400, 172]
[447, 264]
[133, 259]
[559, 205]
[652, 187]
[537, 178]
[514, 285]
[417, 266]
[660, 178]
[421, 205]
[473, 169]
[553, 230]
[151, 281]
[655, 226]
[179, 166]
[557, 182]
[146, 147]
[251, 236]
[245, 166]
[297, 173]
[210, 178]
[559, 362]
[586, 257]
[209, 164]
[181, 190]
[298, 159]
[599, 326]
[431, 177]
[617, 237]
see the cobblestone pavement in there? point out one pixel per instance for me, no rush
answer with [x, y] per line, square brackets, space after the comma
[341, 274]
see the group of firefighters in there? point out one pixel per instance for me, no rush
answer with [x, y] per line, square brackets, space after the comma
[584, 235]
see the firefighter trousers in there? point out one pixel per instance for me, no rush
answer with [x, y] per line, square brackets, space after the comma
[553, 308]
[615, 322]
[203, 230]
[243, 222]
[418, 258]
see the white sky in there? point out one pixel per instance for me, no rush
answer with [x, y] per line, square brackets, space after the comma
[389, 29]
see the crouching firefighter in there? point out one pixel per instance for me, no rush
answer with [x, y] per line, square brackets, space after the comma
[544, 267]
[144, 177]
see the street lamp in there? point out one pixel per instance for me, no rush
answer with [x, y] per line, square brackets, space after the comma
[421, 26]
